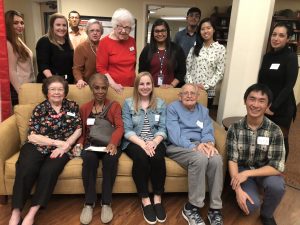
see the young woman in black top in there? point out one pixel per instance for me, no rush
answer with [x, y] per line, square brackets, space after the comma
[279, 71]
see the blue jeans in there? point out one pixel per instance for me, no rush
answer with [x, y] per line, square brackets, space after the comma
[273, 188]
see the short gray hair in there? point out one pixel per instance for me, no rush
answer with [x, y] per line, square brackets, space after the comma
[122, 14]
[90, 22]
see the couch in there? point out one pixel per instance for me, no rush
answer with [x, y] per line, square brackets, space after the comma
[13, 133]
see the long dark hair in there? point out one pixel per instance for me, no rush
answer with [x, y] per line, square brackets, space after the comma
[12, 37]
[199, 38]
[153, 44]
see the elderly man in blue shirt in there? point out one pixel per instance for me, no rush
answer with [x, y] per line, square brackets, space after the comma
[191, 134]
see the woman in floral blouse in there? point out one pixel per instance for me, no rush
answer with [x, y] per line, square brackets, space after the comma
[205, 63]
[54, 127]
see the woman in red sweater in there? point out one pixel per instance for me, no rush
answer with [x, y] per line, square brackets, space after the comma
[99, 85]
[116, 57]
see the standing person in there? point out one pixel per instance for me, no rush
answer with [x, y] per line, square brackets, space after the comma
[54, 51]
[256, 156]
[54, 127]
[84, 63]
[186, 38]
[162, 58]
[76, 34]
[117, 57]
[206, 60]
[89, 111]
[19, 55]
[279, 71]
[145, 131]
[191, 134]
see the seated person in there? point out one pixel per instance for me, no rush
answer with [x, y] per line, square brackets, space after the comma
[191, 133]
[144, 118]
[54, 127]
[256, 156]
[99, 85]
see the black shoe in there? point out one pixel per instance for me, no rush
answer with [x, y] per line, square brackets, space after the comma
[149, 214]
[160, 213]
[268, 221]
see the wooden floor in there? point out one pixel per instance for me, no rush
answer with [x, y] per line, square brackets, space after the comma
[66, 209]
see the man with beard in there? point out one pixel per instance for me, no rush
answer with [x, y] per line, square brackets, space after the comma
[76, 34]
[186, 38]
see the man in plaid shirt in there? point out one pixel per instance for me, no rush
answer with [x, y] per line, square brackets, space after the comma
[256, 156]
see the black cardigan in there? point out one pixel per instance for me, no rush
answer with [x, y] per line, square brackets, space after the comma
[49, 56]
[281, 81]
[179, 67]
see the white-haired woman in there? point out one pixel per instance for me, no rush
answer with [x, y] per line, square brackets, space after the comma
[84, 62]
[117, 57]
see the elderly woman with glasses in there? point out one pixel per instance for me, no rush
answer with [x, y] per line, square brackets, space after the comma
[117, 57]
[54, 127]
[84, 62]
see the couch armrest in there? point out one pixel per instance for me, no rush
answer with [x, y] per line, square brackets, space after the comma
[10, 144]
[220, 139]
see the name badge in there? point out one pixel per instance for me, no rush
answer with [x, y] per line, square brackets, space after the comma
[199, 124]
[274, 66]
[131, 48]
[90, 121]
[156, 117]
[263, 140]
[66, 76]
[159, 80]
[71, 114]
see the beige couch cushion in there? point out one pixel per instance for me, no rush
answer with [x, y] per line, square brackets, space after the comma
[23, 114]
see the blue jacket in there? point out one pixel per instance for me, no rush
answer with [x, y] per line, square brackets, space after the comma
[133, 122]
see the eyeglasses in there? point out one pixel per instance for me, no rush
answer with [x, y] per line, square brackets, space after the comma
[53, 90]
[196, 15]
[96, 31]
[160, 31]
[186, 93]
[74, 18]
[127, 28]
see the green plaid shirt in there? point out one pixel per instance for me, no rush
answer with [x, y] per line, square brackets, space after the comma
[244, 146]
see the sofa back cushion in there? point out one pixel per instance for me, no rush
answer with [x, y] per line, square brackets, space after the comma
[31, 93]
[23, 114]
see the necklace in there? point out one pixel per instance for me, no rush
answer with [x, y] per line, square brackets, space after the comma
[95, 108]
[94, 51]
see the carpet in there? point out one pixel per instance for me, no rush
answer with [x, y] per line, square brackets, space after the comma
[292, 169]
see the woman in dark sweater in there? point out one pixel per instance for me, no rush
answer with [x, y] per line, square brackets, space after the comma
[164, 59]
[279, 71]
[54, 51]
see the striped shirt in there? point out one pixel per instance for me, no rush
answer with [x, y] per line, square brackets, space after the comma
[146, 134]
[256, 149]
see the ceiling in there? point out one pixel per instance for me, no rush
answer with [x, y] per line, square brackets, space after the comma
[167, 11]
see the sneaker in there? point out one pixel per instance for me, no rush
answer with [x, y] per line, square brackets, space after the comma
[149, 214]
[86, 215]
[106, 214]
[215, 217]
[192, 216]
[160, 213]
[268, 221]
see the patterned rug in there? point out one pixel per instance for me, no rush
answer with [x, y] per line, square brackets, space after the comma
[292, 170]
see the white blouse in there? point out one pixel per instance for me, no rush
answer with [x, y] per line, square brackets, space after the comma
[207, 68]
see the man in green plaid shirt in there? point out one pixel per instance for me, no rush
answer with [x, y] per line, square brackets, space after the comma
[256, 155]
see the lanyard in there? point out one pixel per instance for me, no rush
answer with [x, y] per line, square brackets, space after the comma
[161, 60]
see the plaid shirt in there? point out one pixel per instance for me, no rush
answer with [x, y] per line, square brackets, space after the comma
[245, 147]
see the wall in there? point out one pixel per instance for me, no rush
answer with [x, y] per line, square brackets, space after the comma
[137, 8]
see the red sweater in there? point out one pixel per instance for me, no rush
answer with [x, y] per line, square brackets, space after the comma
[118, 59]
[114, 116]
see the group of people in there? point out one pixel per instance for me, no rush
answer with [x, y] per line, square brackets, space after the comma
[256, 147]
